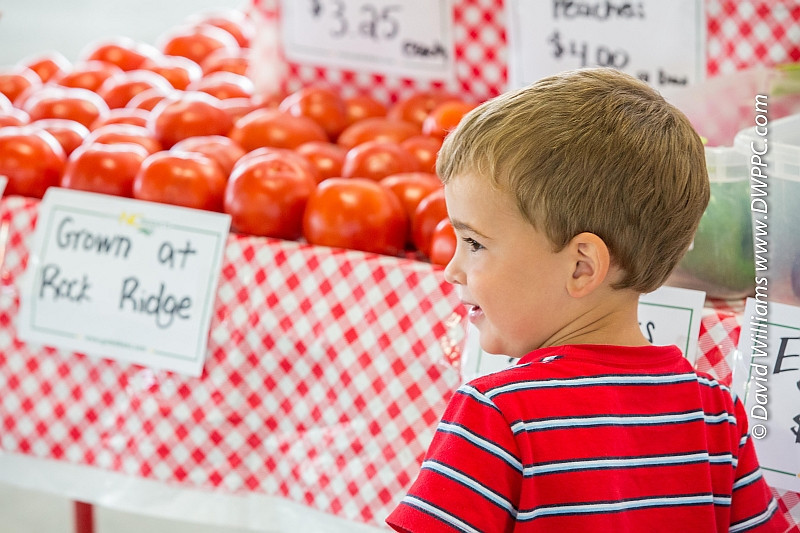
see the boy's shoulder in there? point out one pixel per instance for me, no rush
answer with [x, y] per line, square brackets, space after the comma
[540, 365]
[597, 364]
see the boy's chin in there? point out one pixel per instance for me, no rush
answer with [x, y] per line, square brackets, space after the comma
[493, 348]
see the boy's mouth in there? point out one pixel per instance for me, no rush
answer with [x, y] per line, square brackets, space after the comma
[474, 312]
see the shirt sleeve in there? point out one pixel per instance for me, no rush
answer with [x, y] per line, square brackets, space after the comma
[753, 508]
[471, 476]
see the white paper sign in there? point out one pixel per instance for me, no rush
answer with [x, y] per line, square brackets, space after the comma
[666, 316]
[124, 279]
[767, 378]
[412, 38]
[660, 42]
[672, 316]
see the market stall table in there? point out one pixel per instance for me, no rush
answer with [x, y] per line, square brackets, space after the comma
[327, 372]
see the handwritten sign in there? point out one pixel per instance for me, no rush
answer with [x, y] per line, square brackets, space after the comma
[767, 378]
[124, 279]
[412, 38]
[672, 316]
[666, 316]
[662, 43]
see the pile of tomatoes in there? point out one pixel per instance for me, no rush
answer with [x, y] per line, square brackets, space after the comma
[181, 122]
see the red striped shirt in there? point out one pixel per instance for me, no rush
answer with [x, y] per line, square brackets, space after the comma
[591, 438]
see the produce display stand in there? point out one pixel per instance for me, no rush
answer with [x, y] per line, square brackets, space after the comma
[326, 375]
[327, 371]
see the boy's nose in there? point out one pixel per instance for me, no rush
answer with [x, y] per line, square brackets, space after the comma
[452, 273]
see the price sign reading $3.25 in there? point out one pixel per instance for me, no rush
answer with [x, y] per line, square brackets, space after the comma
[412, 38]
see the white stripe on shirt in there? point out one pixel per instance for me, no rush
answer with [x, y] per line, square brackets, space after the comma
[605, 507]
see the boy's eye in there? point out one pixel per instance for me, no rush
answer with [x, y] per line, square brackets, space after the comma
[474, 245]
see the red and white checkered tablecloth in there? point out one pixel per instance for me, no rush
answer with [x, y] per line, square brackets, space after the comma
[326, 375]
[746, 33]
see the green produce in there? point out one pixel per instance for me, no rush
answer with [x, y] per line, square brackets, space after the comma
[722, 257]
[784, 243]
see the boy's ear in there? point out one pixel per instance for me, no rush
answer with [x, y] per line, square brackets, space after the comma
[591, 260]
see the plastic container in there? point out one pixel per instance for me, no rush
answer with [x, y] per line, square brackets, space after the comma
[722, 106]
[721, 263]
[778, 228]
[721, 259]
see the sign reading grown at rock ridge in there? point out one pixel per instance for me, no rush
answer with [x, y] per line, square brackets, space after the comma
[123, 279]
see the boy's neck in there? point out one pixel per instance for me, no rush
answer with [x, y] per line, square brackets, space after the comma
[612, 319]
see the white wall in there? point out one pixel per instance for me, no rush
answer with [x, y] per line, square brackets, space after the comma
[30, 27]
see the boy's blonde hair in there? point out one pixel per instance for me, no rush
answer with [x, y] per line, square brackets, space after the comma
[592, 150]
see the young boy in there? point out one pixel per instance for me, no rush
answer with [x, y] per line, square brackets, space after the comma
[570, 198]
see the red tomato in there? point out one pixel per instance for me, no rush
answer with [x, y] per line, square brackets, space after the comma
[47, 65]
[237, 107]
[267, 194]
[411, 188]
[80, 105]
[357, 213]
[328, 158]
[234, 21]
[125, 133]
[271, 127]
[269, 100]
[425, 149]
[104, 168]
[195, 42]
[224, 85]
[226, 60]
[147, 99]
[299, 163]
[177, 70]
[323, 106]
[376, 129]
[189, 179]
[445, 117]
[221, 149]
[68, 133]
[376, 160]
[443, 243]
[15, 81]
[122, 115]
[88, 75]
[429, 212]
[14, 117]
[362, 106]
[118, 90]
[415, 108]
[123, 52]
[188, 114]
[32, 160]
